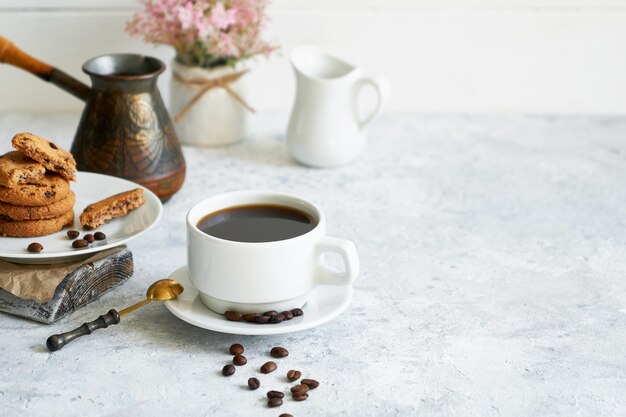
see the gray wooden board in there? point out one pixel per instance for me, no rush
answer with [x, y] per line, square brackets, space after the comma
[78, 288]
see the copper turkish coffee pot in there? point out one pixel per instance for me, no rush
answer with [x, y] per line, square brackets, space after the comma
[125, 129]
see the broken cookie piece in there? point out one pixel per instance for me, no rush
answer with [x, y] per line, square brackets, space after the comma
[117, 205]
[48, 154]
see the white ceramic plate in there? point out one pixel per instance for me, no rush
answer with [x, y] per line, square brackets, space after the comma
[89, 188]
[326, 303]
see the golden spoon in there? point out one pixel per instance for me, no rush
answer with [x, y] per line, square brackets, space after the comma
[161, 290]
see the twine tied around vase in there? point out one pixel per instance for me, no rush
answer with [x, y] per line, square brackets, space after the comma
[206, 85]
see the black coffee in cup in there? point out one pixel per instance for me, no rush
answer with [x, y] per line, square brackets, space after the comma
[257, 223]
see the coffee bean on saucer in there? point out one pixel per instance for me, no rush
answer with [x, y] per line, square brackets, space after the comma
[285, 415]
[35, 247]
[277, 319]
[99, 236]
[297, 312]
[89, 237]
[240, 360]
[300, 397]
[236, 349]
[299, 389]
[275, 394]
[311, 383]
[294, 375]
[73, 234]
[250, 317]
[268, 367]
[80, 243]
[262, 319]
[271, 313]
[228, 370]
[254, 383]
[274, 402]
[279, 352]
[288, 315]
[233, 315]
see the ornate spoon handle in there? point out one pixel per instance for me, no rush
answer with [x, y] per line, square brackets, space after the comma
[57, 341]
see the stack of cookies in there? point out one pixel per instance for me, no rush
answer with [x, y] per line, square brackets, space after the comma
[35, 195]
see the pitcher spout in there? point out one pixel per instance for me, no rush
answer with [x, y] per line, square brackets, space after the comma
[314, 63]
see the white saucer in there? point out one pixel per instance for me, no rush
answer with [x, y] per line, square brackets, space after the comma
[326, 302]
[88, 189]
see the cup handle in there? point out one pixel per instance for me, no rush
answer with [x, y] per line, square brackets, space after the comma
[347, 251]
[382, 91]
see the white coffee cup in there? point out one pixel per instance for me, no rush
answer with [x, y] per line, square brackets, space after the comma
[261, 276]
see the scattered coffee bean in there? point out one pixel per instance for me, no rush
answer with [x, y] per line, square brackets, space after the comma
[271, 313]
[299, 389]
[73, 234]
[311, 383]
[279, 352]
[285, 415]
[297, 312]
[294, 375]
[240, 360]
[277, 319]
[287, 314]
[236, 349]
[274, 402]
[254, 383]
[300, 397]
[233, 315]
[35, 247]
[250, 317]
[262, 319]
[89, 238]
[228, 370]
[275, 394]
[99, 236]
[80, 243]
[268, 367]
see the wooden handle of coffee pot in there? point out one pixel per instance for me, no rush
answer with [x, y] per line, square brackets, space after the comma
[11, 54]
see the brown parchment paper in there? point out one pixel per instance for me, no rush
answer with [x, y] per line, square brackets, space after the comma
[38, 282]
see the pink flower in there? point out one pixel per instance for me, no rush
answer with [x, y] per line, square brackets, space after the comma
[221, 17]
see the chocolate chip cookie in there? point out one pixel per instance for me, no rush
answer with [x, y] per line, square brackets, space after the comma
[117, 205]
[49, 189]
[16, 169]
[51, 156]
[50, 211]
[31, 228]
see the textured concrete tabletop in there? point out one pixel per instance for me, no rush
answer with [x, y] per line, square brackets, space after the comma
[493, 258]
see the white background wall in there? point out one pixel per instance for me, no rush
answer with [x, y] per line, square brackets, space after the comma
[538, 56]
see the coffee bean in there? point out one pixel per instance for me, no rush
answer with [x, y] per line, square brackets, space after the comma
[277, 319]
[288, 315]
[80, 243]
[99, 236]
[300, 397]
[73, 234]
[240, 360]
[294, 375]
[35, 247]
[279, 352]
[254, 383]
[285, 415]
[297, 312]
[262, 319]
[89, 237]
[274, 402]
[275, 394]
[299, 389]
[268, 367]
[233, 315]
[228, 370]
[271, 313]
[311, 383]
[250, 316]
[236, 349]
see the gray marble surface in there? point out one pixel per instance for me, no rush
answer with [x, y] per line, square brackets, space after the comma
[493, 258]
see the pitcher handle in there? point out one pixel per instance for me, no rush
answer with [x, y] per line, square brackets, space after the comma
[381, 86]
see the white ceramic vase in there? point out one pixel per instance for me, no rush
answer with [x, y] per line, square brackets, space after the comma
[216, 118]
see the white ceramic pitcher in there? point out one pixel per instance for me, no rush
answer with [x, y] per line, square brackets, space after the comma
[325, 128]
